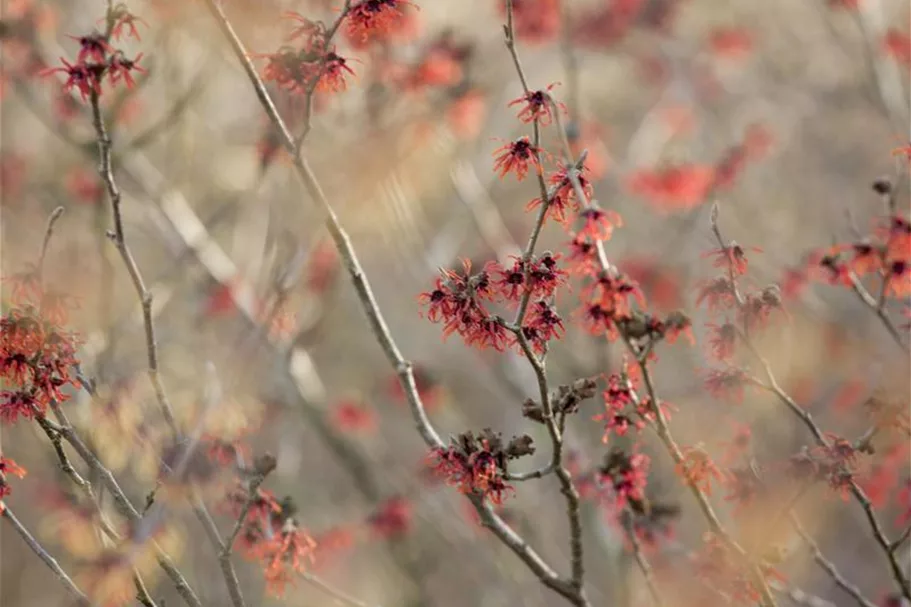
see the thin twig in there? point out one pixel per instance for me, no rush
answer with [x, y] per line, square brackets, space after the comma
[641, 561]
[123, 504]
[336, 594]
[105, 170]
[771, 384]
[403, 368]
[829, 567]
[80, 597]
[661, 424]
[48, 232]
[567, 486]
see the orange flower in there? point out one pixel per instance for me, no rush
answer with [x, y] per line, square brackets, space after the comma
[674, 188]
[466, 114]
[698, 470]
[731, 43]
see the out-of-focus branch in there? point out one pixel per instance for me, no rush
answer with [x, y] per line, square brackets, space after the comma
[337, 595]
[771, 384]
[105, 170]
[829, 567]
[122, 502]
[878, 308]
[641, 561]
[81, 599]
[661, 425]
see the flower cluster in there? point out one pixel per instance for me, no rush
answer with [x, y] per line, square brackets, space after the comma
[8, 468]
[270, 534]
[376, 20]
[477, 464]
[698, 470]
[626, 475]
[725, 572]
[308, 62]
[37, 354]
[98, 59]
[884, 254]
[461, 301]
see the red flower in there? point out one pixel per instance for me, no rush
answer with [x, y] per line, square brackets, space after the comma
[392, 519]
[897, 45]
[17, 403]
[898, 281]
[589, 137]
[354, 416]
[619, 410]
[516, 156]
[332, 543]
[904, 150]
[8, 468]
[120, 67]
[124, 20]
[723, 341]
[92, 47]
[563, 194]
[659, 282]
[627, 474]
[732, 257]
[542, 324]
[84, 186]
[374, 19]
[614, 292]
[227, 451]
[466, 114]
[538, 106]
[333, 73]
[733, 43]
[727, 384]
[83, 77]
[698, 470]
[717, 293]
[583, 257]
[597, 223]
[544, 277]
[678, 187]
[285, 555]
[25, 286]
[739, 445]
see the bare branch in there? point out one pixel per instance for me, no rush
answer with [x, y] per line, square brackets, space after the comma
[81, 599]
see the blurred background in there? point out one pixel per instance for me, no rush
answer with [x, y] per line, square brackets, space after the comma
[261, 336]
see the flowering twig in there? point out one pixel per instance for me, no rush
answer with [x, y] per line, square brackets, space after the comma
[661, 425]
[771, 385]
[568, 488]
[106, 171]
[311, 88]
[403, 368]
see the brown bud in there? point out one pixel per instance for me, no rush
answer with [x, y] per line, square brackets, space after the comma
[882, 186]
[520, 446]
[533, 411]
[265, 464]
